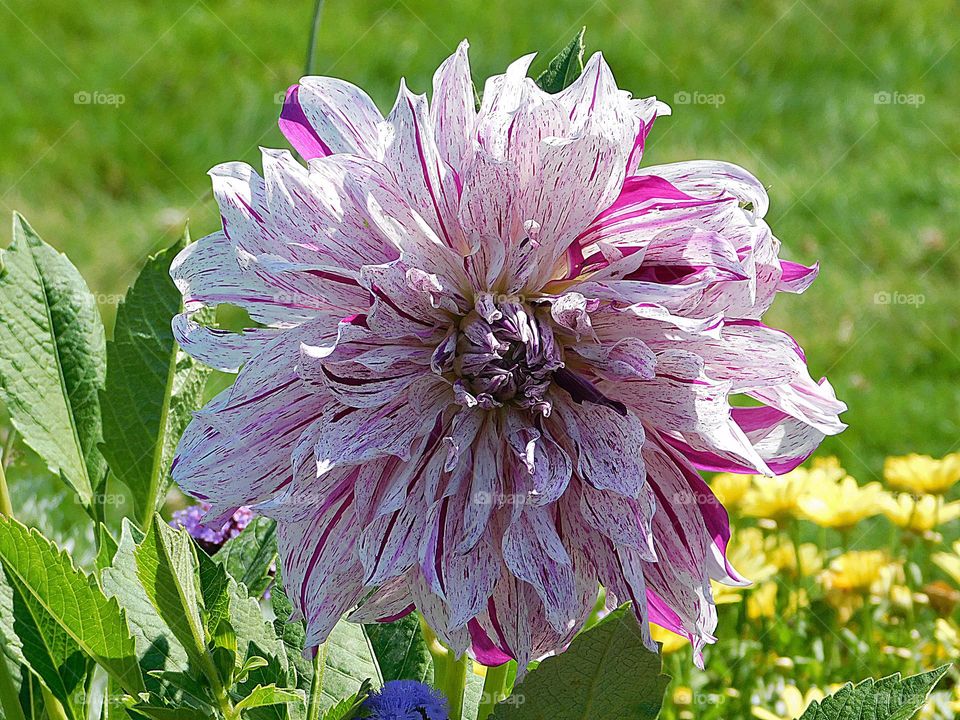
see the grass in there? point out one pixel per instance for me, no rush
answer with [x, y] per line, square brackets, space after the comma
[868, 189]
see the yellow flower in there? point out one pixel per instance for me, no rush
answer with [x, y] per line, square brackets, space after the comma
[949, 562]
[780, 553]
[779, 497]
[856, 571]
[730, 488]
[919, 513]
[922, 474]
[682, 696]
[762, 602]
[841, 503]
[790, 705]
[670, 641]
[746, 553]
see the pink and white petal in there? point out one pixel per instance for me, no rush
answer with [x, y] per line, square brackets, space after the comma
[796, 277]
[486, 488]
[387, 603]
[320, 570]
[361, 370]
[625, 521]
[423, 178]
[223, 350]
[607, 446]
[623, 359]
[463, 580]
[437, 614]
[236, 451]
[340, 118]
[534, 553]
[453, 110]
[710, 178]
[814, 403]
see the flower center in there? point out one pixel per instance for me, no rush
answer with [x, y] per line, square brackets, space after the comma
[503, 351]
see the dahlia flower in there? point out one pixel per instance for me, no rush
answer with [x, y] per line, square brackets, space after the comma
[492, 352]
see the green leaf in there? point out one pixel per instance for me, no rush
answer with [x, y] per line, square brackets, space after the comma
[151, 386]
[565, 67]
[250, 556]
[107, 547]
[348, 708]
[167, 567]
[263, 695]
[12, 662]
[157, 646]
[65, 601]
[401, 650]
[891, 698]
[53, 360]
[607, 672]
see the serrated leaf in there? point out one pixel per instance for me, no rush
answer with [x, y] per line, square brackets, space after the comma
[53, 362]
[891, 698]
[151, 386]
[67, 600]
[250, 556]
[167, 567]
[566, 67]
[349, 707]
[607, 672]
[157, 647]
[263, 695]
[11, 654]
[400, 650]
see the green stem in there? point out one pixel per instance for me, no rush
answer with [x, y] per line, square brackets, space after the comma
[449, 674]
[495, 689]
[314, 32]
[454, 684]
[6, 508]
[316, 685]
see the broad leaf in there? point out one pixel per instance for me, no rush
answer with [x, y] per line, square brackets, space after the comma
[891, 698]
[250, 556]
[12, 662]
[349, 707]
[263, 695]
[157, 647]
[607, 672]
[151, 387]
[565, 67]
[400, 650]
[66, 601]
[53, 361]
[167, 568]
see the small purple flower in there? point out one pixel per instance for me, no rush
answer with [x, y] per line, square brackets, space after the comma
[210, 538]
[406, 700]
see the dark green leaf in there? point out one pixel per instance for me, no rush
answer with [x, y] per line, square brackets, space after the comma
[891, 698]
[53, 361]
[151, 386]
[348, 708]
[607, 672]
[565, 67]
[401, 650]
[250, 556]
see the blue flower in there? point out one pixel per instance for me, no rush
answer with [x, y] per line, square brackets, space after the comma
[406, 700]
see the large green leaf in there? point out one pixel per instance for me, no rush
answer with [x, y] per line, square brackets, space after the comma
[891, 698]
[401, 650]
[151, 387]
[565, 67]
[53, 361]
[12, 662]
[157, 647]
[607, 672]
[67, 603]
[250, 556]
[168, 572]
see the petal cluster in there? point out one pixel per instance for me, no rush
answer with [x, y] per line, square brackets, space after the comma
[492, 353]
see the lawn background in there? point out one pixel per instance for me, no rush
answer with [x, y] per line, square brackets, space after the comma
[788, 89]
